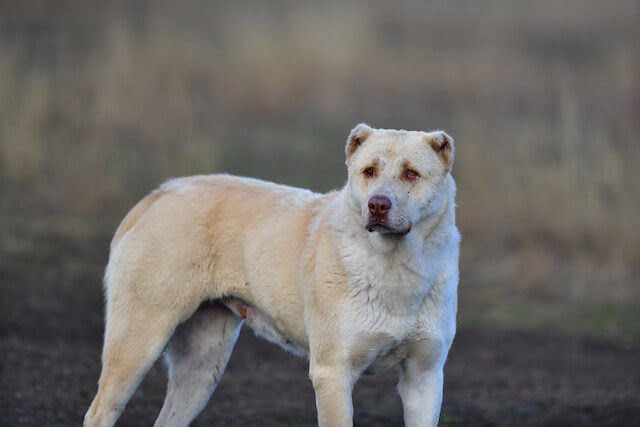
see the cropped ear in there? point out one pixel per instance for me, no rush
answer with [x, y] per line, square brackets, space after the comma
[442, 144]
[357, 136]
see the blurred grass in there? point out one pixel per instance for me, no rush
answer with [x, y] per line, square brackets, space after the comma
[100, 102]
[592, 318]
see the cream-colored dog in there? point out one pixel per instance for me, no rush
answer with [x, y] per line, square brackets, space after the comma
[360, 280]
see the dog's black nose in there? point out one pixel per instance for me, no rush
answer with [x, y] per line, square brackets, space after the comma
[379, 205]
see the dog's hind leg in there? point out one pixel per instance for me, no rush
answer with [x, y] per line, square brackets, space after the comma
[135, 335]
[196, 356]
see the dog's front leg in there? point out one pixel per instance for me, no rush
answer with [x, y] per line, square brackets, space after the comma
[421, 397]
[420, 385]
[333, 386]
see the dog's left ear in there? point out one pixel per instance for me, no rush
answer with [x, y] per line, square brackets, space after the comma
[442, 144]
[356, 138]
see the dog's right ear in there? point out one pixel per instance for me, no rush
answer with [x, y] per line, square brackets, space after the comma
[356, 138]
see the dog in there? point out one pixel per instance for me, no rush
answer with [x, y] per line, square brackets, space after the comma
[359, 280]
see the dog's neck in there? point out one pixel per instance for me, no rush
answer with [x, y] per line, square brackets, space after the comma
[438, 224]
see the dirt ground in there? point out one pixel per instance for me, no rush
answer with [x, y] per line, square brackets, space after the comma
[50, 339]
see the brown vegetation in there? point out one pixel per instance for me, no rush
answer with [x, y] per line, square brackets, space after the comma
[100, 102]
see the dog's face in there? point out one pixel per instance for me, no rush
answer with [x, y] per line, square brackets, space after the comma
[395, 176]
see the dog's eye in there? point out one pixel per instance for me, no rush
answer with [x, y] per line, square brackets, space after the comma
[369, 172]
[410, 174]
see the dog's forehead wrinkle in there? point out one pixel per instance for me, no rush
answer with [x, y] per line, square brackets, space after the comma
[379, 156]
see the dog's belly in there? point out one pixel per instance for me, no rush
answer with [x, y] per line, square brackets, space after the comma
[264, 326]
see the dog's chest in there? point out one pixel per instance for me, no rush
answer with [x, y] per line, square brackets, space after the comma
[396, 284]
[386, 312]
[377, 342]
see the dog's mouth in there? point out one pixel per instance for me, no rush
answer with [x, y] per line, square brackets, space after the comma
[385, 229]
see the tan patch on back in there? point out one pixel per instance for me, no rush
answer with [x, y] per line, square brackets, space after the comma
[134, 215]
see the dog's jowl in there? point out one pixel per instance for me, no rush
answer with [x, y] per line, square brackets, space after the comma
[360, 279]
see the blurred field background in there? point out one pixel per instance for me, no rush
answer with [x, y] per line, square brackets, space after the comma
[101, 101]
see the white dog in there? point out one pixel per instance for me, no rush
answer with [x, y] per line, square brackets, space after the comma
[361, 279]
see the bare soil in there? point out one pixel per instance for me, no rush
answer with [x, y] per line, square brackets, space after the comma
[50, 341]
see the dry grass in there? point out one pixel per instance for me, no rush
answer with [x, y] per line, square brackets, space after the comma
[97, 106]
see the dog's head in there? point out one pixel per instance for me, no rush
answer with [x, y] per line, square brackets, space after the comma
[395, 176]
